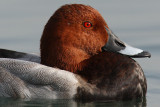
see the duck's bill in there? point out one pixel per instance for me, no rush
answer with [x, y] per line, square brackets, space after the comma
[114, 44]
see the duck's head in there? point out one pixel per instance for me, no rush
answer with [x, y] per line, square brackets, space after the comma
[77, 32]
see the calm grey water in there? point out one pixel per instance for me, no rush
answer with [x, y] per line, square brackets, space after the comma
[135, 22]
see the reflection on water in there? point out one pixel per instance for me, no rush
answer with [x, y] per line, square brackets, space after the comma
[9, 102]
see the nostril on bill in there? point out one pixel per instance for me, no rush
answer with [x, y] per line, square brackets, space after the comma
[120, 44]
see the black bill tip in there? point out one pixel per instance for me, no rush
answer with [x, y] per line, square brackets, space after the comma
[142, 55]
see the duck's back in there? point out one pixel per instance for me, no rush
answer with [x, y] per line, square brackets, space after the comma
[5, 53]
[23, 79]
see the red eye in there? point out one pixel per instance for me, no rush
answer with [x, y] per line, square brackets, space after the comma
[87, 24]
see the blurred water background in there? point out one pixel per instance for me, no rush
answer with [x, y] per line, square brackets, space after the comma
[136, 22]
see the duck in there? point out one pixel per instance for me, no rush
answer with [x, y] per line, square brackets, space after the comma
[80, 58]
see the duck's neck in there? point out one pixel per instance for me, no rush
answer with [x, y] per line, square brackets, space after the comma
[68, 59]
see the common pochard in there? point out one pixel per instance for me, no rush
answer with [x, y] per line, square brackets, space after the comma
[80, 59]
